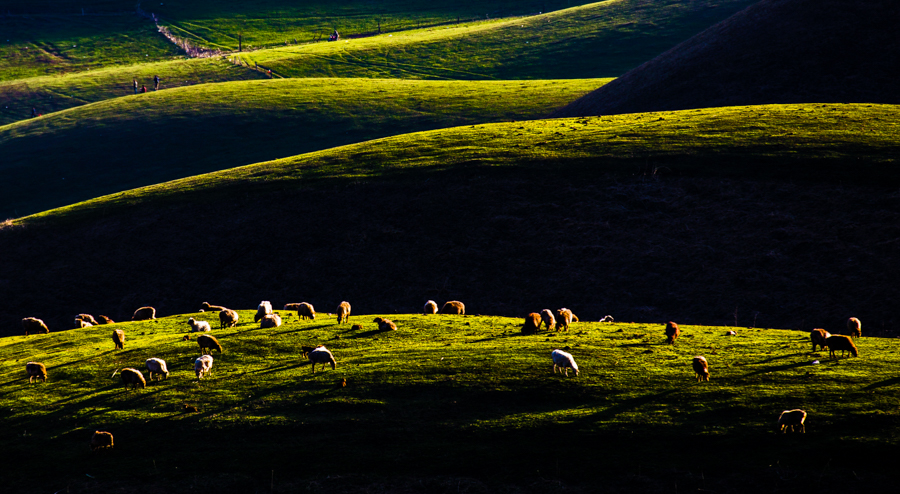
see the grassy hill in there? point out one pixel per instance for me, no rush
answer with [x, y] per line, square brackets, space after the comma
[775, 51]
[146, 139]
[761, 215]
[459, 396]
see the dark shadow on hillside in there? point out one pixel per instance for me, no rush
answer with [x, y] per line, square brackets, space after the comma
[776, 368]
[772, 359]
[881, 384]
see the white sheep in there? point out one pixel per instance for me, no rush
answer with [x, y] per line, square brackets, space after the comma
[264, 309]
[203, 365]
[430, 308]
[158, 366]
[199, 326]
[321, 355]
[270, 321]
[564, 361]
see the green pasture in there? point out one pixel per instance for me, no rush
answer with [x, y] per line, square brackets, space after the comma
[819, 142]
[442, 393]
[146, 139]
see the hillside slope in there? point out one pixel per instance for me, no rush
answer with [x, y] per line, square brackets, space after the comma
[776, 51]
[769, 216]
[151, 138]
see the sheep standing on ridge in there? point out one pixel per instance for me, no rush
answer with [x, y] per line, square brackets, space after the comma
[563, 361]
[321, 355]
[33, 325]
[133, 377]
[86, 318]
[305, 310]
[343, 312]
[430, 308]
[206, 307]
[270, 321]
[854, 327]
[101, 439]
[385, 324]
[81, 323]
[144, 314]
[292, 307]
[203, 365]
[564, 317]
[118, 337]
[158, 366]
[199, 326]
[36, 370]
[532, 324]
[104, 320]
[672, 332]
[818, 337]
[453, 307]
[792, 419]
[607, 318]
[228, 318]
[701, 368]
[548, 319]
[208, 342]
[842, 343]
[263, 310]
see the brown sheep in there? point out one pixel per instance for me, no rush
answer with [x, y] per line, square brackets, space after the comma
[144, 314]
[81, 323]
[305, 311]
[818, 337]
[842, 343]
[104, 320]
[701, 368]
[343, 312]
[118, 337]
[564, 317]
[133, 377]
[793, 419]
[228, 318]
[532, 324]
[33, 325]
[385, 324]
[206, 307]
[548, 319]
[36, 370]
[672, 332]
[208, 342]
[270, 321]
[292, 307]
[854, 327]
[86, 318]
[304, 350]
[101, 439]
[357, 327]
[454, 307]
[430, 308]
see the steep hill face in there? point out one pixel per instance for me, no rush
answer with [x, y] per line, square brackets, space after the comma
[693, 250]
[775, 51]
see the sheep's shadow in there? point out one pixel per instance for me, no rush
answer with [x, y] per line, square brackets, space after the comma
[635, 344]
[630, 404]
[780, 357]
[777, 368]
[279, 368]
[881, 384]
[368, 334]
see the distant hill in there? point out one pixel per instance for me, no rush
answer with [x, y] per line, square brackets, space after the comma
[775, 51]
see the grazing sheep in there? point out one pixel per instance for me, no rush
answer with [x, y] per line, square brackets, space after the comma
[607, 318]
[81, 323]
[158, 366]
[36, 370]
[118, 337]
[205, 307]
[430, 308]
[321, 355]
[842, 343]
[564, 317]
[305, 311]
[203, 365]
[292, 307]
[199, 326]
[793, 419]
[564, 361]
[548, 319]
[104, 320]
[532, 323]
[270, 321]
[33, 325]
[672, 332]
[187, 337]
[818, 337]
[228, 318]
[701, 368]
[343, 312]
[208, 342]
[854, 327]
[357, 327]
[263, 310]
[101, 439]
[143, 314]
[304, 350]
[385, 324]
[133, 377]
[86, 318]
[453, 307]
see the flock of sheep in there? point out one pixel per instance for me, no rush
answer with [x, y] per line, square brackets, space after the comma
[560, 320]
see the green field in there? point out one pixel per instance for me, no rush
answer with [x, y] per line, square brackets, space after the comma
[441, 395]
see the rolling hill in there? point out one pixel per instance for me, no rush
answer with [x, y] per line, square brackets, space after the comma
[776, 51]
